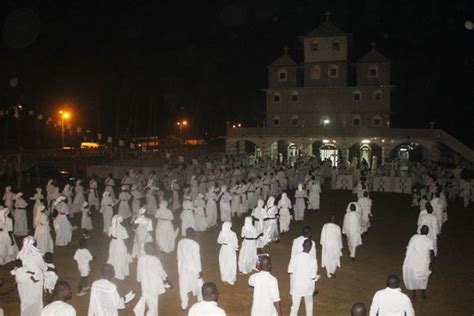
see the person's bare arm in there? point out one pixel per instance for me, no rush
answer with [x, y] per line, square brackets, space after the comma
[277, 307]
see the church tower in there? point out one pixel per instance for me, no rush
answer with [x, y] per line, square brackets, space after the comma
[373, 69]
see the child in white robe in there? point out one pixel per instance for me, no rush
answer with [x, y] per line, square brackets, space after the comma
[50, 276]
[86, 222]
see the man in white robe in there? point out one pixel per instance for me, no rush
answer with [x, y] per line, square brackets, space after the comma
[93, 196]
[297, 245]
[189, 268]
[62, 293]
[352, 228]
[208, 306]
[29, 280]
[427, 218]
[331, 243]
[391, 300]
[266, 296]
[105, 299]
[303, 269]
[152, 278]
[366, 210]
[418, 260]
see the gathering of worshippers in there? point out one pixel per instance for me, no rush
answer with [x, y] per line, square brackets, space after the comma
[144, 216]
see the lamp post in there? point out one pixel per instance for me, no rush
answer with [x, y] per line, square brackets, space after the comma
[181, 124]
[64, 117]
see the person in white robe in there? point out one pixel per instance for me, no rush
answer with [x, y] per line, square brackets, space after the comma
[107, 211]
[266, 295]
[366, 210]
[270, 219]
[153, 281]
[38, 198]
[50, 276]
[124, 204]
[50, 189]
[79, 198]
[86, 221]
[331, 247]
[284, 206]
[224, 204]
[187, 217]
[136, 201]
[391, 300]
[208, 306]
[21, 224]
[258, 215]
[189, 268]
[44, 241]
[427, 218]
[165, 232]
[248, 251]
[150, 198]
[93, 195]
[352, 228]
[31, 257]
[61, 223]
[118, 254]
[105, 299]
[67, 192]
[8, 247]
[142, 227]
[8, 198]
[418, 260]
[199, 215]
[30, 288]
[109, 184]
[175, 194]
[437, 205]
[314, 194]
[193, 184]
[303, 271]
[59, 307]
[228, 253]
[300, 204]
[236, 199]
[211, 207]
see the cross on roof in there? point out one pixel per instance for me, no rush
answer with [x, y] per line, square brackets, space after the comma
[285, 50]
[373, 44]
[327, 14]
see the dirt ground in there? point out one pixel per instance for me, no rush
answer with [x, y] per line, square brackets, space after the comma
[450, 288]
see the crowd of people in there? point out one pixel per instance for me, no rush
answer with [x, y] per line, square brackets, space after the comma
[164, 210]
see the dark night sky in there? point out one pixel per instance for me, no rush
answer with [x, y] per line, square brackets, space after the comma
[206, 60]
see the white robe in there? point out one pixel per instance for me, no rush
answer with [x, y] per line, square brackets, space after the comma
[331, 244]
[31, 293]
[248, 251]
[313, 198]
[62, 226]
[21, 224]
[165, 233]
[107, 212]
[224, 206]
[265, 294]
[228, 255]
[211, 209]
[187, 221]
[142, 235]
[300, 205]
[352, 228]
[151, 276]
[8, 247]
[118, 254]
[432, 223]
[124, 208]
[44, 241]
[366, 211]
[303, 270]
[189, 267]
[105, 299]
[284, 206]
[416, 267]
[86, 222]
[58, 308]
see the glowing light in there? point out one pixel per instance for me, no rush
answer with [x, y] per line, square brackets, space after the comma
[65, 115]
[239, 125]
[326, 122]
[325, 141]
[185, 123]
[365, 141]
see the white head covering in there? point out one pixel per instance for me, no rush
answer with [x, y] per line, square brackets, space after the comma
[225, 230]
[224, 188]
[163, 204]
[357, 206]
[78, 181]
[19, 195]
[28, 249]
[142, 211]
[8, 188]
[248, 230]
[271, 201]
[106, 193]
[300, 187]
[39, 190]
[116, 220]
[124, 187]
[260, 203]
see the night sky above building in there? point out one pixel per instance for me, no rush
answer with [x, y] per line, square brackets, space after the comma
[161, 61]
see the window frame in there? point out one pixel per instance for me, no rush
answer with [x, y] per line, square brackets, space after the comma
[282, 71]
[333, 67]
[276, 118]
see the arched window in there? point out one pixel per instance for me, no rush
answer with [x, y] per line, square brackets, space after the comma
[314, 45]
[276, 120]
[333, 71]
[315, 72]
[378, 95]
[282, 74]
[294, 120]
[377, 121]
[276, 97]
[356, 120]
[294, 96]
[373, 71]
[356, 95]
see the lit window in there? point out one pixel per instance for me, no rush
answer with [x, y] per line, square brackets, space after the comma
[356, 120]
[378, 95]
[373, 71]
[356, 95]
[335, 45]
[333, 71]
[294, 120]
[377, 121]
[325, 121]
[294, 96]
[276, 97]
[314, 45]
[282, 75]
[276, 120]
[315, 72]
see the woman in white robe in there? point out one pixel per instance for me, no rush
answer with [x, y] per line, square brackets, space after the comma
[165, 232]
[313, 198]
[284, 206]
[175, 188]
[211, 207]
[67, 192]
[142, 227]
[124, 206]
[93, 195]
[300, 204]
[187, 217]
[50, 189]
[270, 224]
[150, 197]
[107, 211]
[136, 197]
[193, 184]
[21, 224]
[38, 198]
[258, 215]
[248, 251]
[8, 198]
[86, 222]
[199, 215]
[224, 204]
[331, 247]
[62, 225]
[352, 228]
[236, 199]
[8, 247]
[78, 197]
[118, 254]
[228, 253]
[44, 241]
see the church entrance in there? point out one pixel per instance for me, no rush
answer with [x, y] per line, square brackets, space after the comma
[365, 154]
[329, 151]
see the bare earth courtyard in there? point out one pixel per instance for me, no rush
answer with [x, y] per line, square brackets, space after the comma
[450, 288]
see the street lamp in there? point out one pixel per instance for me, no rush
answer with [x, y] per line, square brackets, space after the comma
[64, 117]
[181, 125]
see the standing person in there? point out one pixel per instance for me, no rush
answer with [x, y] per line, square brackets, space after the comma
[29, 280]
[211, 207]
[366, 210]
[8, 247]
[107, 210]
[21, 224]
[284, 206]
[300, 204]
[62, 225]
[67, 192]
[391, 300]
[224, 204]
[314, 192]
[124, 206]
[248, 251]
[352, 228]
[59, 307]
[199, 215]
[297, 245]
[427, 218]
[258, 215]
[187, 217]
[165, 232]
[86, 222]
[50, 276]
[136, 197]
[43, 237]
[227, 255]
[93, 196]
[266, 296]
[270, 219]
[303, 269]
[208, 306]
[189, 268]
[118, 255]
[109, 185]
[79, 198]
[142, 227]
[38, 198]
[175, 191]
[8, 198]
[83, 257]
[152, 278]
[331, 244]
[418, 260]
[105, 299]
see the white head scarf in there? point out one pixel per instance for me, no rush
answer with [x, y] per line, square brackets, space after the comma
[224, 188]
[163, 204]
[225, 230]
[106, 193]
[271, 201]
[357, 206]
[28, 249]
[142, 211]
[248, 230]
[39, 190]
[300, 187]
[260, 203]
[8, 188]
[116, 220]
